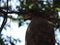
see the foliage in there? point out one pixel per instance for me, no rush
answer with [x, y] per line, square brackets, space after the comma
[27, 6]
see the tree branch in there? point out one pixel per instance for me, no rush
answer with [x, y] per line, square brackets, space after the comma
[4, 22]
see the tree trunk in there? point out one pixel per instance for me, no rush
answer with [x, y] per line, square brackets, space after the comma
[40, 32]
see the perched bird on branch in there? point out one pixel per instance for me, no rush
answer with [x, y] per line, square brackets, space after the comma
[40, 31]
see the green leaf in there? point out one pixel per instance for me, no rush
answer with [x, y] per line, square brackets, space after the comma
[58, 9]
[30, 6]
[58, 17]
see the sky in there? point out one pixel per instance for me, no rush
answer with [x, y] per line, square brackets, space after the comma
[16, 32]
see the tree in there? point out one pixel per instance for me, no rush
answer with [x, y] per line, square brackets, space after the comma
[42, 11]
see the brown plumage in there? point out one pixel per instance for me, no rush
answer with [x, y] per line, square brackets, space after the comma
[40, 32]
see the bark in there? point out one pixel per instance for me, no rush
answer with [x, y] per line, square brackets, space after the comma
[40, 32]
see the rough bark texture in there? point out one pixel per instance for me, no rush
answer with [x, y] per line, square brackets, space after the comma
[40, 32]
